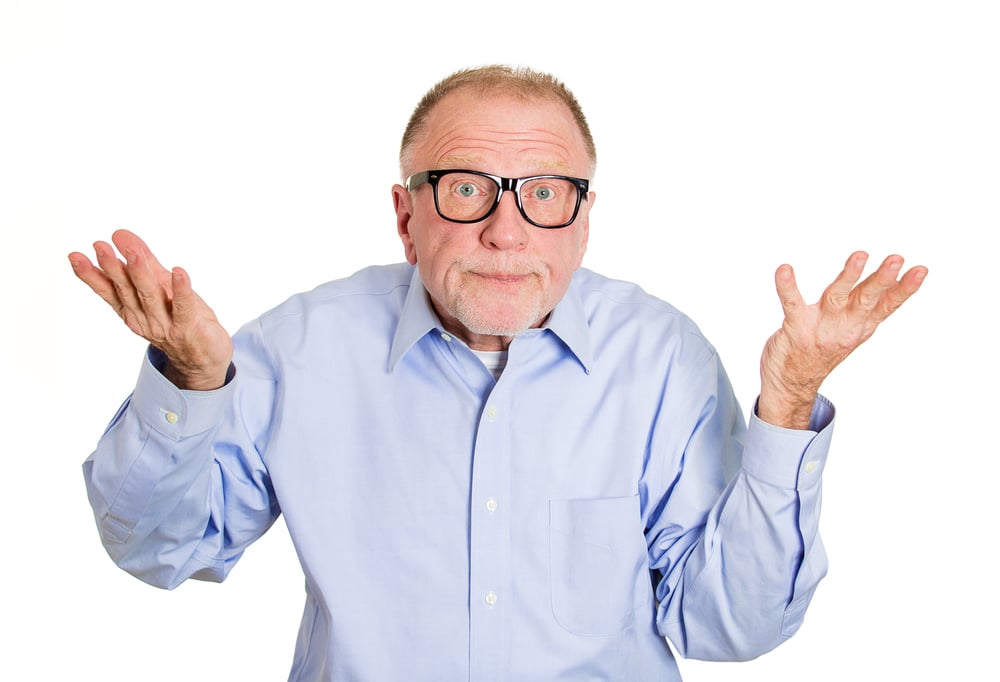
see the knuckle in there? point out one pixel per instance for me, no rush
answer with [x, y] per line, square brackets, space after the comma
[835, 299]
[157, 330]
[145, 295]
[869, 300]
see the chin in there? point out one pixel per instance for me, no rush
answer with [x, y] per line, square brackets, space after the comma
[497, 322]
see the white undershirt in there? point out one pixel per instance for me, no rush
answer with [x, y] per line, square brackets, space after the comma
[495, 360]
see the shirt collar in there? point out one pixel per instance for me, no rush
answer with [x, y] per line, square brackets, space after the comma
[567, 322]
[415, 320]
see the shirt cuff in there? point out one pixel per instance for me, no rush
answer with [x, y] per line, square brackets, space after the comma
[173, 412]
[790, 458]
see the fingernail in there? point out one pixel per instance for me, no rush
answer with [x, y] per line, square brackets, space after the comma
[129, 256]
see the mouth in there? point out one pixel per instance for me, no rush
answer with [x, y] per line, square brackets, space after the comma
[502, 277]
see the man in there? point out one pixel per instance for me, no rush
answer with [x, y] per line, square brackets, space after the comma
[493, 463]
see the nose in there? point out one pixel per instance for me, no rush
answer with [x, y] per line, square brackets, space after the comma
[506, 229]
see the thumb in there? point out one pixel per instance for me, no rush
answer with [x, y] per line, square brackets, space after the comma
[184, 300]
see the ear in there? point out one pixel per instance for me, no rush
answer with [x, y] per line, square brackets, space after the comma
[402, 202]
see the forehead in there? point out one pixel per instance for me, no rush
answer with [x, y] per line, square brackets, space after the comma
[502, 134]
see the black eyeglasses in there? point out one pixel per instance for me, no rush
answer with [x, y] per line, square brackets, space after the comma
[465, 196]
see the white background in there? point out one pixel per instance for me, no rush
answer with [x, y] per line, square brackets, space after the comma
[254, 143]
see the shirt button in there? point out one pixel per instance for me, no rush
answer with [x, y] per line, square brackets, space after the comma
[445, 336]
[811, 466]
[492, 412]
[491, 505]
[171, 417]
[491, 598]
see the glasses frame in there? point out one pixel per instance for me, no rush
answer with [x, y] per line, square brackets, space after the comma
[513, 185]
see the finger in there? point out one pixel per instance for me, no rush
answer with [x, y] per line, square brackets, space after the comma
[914, 279]
[869, 293]
[150, 294]
[95, 279]
[185, 302]
[129, 241]
[124, 239]
[888, 272]
[117, 274]
[788, 291]
[839, 291]
[897, 295]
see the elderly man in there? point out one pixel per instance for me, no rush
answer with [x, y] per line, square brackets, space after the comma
[493, 463]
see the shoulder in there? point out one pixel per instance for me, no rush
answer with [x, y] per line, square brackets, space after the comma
[608, 299]
[364, 286]
[371, 296]
[624, 311]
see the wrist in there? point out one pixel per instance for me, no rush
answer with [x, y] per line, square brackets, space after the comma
[784, 408]
[194, 378]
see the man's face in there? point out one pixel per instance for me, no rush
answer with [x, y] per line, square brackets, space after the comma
[490, 280]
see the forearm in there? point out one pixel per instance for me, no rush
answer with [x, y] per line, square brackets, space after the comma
[155, 485]
[744, 587]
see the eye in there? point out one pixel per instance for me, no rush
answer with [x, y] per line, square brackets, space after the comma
[542, 193]
[466, 189]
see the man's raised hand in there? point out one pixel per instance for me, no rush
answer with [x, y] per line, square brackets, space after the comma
[813, 339]
[160, 306]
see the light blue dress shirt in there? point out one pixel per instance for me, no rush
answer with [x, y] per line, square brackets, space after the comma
[555, 524]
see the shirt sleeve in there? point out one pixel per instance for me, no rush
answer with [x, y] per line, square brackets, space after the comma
[735, 582]
[179, 490]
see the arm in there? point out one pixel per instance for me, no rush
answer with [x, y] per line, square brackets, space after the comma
[177, 483]
[174, 493]
[736, 583]
[734, 543]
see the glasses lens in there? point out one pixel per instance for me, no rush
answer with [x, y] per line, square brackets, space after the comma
[465, 196]
[549, 201]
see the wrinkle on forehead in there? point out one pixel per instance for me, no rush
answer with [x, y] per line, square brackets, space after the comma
[550, 149]
[460, 136]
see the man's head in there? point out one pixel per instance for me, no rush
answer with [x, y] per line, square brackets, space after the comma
[493, 278]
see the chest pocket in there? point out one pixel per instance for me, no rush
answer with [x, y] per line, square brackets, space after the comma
[597, 556]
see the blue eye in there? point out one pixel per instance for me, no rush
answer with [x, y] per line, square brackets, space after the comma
[466, 189]
[542, 193]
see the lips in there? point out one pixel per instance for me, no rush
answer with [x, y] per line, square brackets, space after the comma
[500, 271]
[502, 276]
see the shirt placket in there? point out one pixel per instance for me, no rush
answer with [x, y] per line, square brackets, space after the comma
[489, 580]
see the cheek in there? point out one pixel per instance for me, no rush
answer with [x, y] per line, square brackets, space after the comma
[567, 256]
[581, 248]
[424, 240]
[435, 255]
